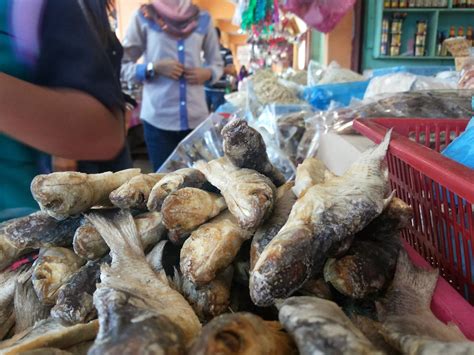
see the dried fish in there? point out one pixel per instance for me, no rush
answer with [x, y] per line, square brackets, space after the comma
[46, 351]
[319, 224]
[408, 323]
[210, 300]
[9, 253]
[172, 182]
[135, 193]
[51, 270]
[212, 248]
[309, 173]
[321, 327]
[132, 297]
[245, 148]
[370, 262]
[188, 208]
[49, 333]
[243, 334]
[75, 304]
[372, 331]
[89, 244]
[248, 194]
[28, 308]
[65, 194]
[285, 199]
[39, 230]
[8, 281]
[317, 287]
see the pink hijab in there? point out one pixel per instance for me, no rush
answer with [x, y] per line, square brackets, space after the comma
[177, 17]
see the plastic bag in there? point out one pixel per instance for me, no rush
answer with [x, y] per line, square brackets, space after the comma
[315, 73]
[323, 15]
[335, 74]
[415, 104]
[467, 75]
[322, 97]
[462, 148]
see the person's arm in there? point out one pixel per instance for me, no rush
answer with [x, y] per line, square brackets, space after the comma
[57, 121]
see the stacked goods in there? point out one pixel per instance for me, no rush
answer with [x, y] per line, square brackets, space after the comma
[223, 258]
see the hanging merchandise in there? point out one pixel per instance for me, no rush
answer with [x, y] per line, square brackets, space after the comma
[322, 15]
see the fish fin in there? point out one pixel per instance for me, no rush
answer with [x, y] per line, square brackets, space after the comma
[389, 199]
[155, 257]
[411, 291]
[378, 152]
[177, 281]
[120, 233]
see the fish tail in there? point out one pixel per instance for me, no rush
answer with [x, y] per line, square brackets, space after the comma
[412, 288]
[119, 232]
[155, 257]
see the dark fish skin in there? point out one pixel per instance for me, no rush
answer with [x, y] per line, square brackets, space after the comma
[370, 263]
[243, 334]
[130, 330]
[371, 329]
[263, 236]
[39, 230]
[318, 226]
[317, 287]
[46, 351]
[321, 327]
[408, 323]
[245, 148]
[75, 301]
[28, 308]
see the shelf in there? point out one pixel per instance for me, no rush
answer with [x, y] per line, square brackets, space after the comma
[398, 57]
[418, 9]
[457, 10]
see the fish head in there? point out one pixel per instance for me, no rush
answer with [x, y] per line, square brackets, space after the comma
[283, 267]
[52, 193]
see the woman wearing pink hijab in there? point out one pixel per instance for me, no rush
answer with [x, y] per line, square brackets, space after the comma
[181, 53]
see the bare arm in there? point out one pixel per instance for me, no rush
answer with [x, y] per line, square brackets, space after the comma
[66, 123]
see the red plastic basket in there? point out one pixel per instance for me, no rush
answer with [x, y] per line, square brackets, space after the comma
[440, 191]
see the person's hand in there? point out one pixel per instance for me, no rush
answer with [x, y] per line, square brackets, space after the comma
[197, 76]
[230, 70]
[61, 164]
[169, 68]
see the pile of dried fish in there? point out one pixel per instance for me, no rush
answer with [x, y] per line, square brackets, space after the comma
[223, 258]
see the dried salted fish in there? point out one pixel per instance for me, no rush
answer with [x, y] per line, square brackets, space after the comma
[65, 194]
[370, 262]
[285, 199]
[245, 148]
[132, 300]
[89, 244]
[9, 253]
[172, 182]
[319, 225]
[321, 327]
[49, 333]
[8, 282]
[46, 351]
[212, 248]
[310, 172]
[39, 230]
[75, 304]
[408, 323]
[188, 208]
[135, 193]
[372, 330]
[28, 308]
[317, 287]
[51, 270]
[243, 334]
[208, 301]
[249, 195]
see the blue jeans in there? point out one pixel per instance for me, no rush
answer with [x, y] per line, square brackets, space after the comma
[161, 143]
[215, 99]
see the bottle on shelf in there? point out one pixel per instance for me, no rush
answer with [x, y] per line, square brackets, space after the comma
[386, 4]
[462, 3]
[469, 35]
[461, 31]
[394, 3]
[411, 3]
[439, 41]
[452, 32]
[455, 3]
[402, 3]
